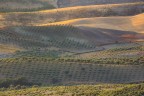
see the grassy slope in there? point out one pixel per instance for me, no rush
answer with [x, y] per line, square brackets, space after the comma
[49, 16]
[114, 51]
[23, 5]
[82, 90]
[43, 70]
[125, 23]
[67, 3]
[8, 48]
[40, 64]
[45, 37]
[62, 37]
[50, 67]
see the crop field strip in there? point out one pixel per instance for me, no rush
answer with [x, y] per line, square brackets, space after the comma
[43, 37]
[123, 51]
[69, 73]
[48, 69]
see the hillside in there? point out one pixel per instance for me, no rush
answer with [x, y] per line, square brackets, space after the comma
[60, 54]
[71, 47]
[62, 14]
[32, 5]
[125, 23]
[136, 20]
[81, 90]
[64, 37]
[48, 68]
[109, 25]
[25, 5]
[7, 48]
[42, 37]
[68, 3]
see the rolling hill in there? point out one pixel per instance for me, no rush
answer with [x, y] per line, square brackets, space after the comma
[53, 47]
[68, 3]
[31, 5]
[25, 5]
[100, 25]
[62, 14]
[129, 23]
[65, 37]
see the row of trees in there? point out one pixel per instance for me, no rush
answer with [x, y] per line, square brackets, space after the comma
[20, 81]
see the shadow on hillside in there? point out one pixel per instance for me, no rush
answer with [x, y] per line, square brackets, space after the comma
[65, 36]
